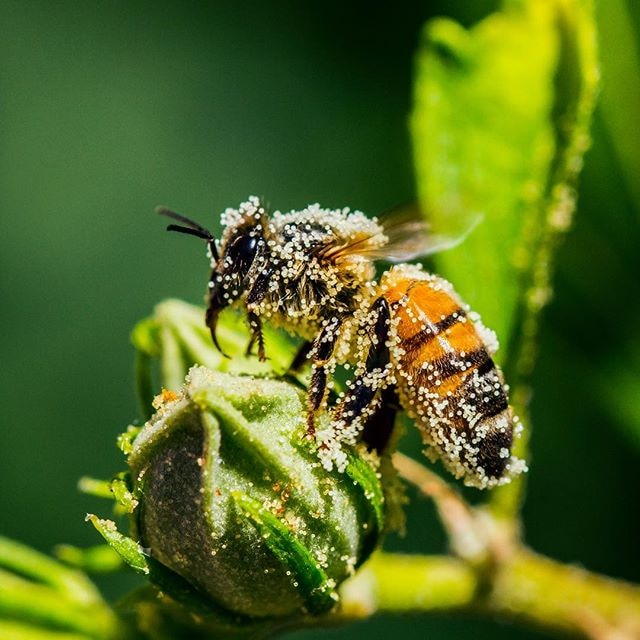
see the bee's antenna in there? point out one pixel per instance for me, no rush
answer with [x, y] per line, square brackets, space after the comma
[192, 228]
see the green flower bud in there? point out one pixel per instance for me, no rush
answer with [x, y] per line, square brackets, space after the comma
[175, 338]
[232, 497]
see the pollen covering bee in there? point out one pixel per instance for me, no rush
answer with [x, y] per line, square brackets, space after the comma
[312, 273]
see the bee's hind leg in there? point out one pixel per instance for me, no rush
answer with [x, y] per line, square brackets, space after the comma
[362, 397]
[317, 392]
[320, 352]
[378, 427]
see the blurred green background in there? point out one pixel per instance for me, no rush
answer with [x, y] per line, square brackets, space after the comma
[109, 108]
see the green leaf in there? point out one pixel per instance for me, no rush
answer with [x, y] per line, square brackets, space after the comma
[500, 124]
[120, 487]
[41, 598]
[95, 487]
[12, 630]
[621, 68]
[364, 477]
[312, 581]
[27, 562]
[129, 550]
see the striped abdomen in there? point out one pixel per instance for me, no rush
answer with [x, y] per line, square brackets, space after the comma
[446, 377]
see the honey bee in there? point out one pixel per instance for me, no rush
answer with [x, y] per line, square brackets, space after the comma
[312, 272]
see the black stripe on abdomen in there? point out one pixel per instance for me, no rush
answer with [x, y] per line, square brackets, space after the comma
[484, 392]
[493, 404]
[478, 379]
[489, 457]
[425, 335]
[453, 363]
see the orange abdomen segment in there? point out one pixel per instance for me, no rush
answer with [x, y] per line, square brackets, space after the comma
[435, 335]
[446, 377]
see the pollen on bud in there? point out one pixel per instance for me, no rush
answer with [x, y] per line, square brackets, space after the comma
[234, 499]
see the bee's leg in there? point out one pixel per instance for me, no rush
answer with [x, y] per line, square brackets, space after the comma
[363, 389]
[321, 351]
[316, 394]
[301, 357]
[299, 360]
[256, 295]
[378, 428]
[255, 324]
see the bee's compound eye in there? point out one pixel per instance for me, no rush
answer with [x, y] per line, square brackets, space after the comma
[242, 250]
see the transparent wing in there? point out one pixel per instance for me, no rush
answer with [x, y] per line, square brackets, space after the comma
[410, 235]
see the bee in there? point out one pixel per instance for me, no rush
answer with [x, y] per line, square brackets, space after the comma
[312, 272]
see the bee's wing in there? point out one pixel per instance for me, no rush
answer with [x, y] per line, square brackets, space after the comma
[410, 236]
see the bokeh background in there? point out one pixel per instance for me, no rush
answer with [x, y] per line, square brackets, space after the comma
[109, 108]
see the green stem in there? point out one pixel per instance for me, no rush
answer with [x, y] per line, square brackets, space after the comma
[525, 587]
[540, 591]
[393, 583]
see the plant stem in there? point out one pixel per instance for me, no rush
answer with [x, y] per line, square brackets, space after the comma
[540, 591]
[396, 583]
[576, 85]
[527, 588]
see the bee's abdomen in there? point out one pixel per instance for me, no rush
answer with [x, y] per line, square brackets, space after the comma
[447, 379]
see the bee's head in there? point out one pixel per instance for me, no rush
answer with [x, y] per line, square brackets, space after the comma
[233, 258]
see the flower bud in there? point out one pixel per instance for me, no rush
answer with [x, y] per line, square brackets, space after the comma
[175, 338]
[232, 497]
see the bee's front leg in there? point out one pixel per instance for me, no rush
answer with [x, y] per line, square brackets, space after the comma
[255, 325]
[301, 357]
[257, 294]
